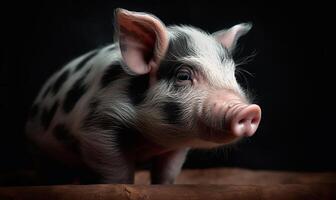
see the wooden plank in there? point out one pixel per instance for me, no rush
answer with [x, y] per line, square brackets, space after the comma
[170, 192]
[238, 176]
[229, 176]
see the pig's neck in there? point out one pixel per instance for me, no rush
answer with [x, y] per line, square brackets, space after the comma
[145, 149]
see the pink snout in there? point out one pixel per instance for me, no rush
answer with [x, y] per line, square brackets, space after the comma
[246, 121]
[227, 115]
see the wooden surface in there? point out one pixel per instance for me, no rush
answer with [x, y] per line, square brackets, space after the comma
[237, 176]
[171, 192]
[224, 183]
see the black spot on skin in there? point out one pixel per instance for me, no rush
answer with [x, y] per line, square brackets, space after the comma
[45, 93]
[179, 47]
[48, 115]
[59, 81]
[33, 111]
[111, 74]
[73, 95]
[85, 60]
[173, 112]
[121, 135]
[137, 88]
[167, 69]
[62, 134]
[87, 72]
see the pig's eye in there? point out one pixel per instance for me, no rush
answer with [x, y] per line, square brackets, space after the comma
[183, 75]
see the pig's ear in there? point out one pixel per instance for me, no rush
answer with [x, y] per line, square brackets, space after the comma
[229, 37]
[143, 40]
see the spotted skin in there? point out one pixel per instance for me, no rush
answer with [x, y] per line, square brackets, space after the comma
[73, 95]
[82, 63]
[59, 81]
[173, 112]
[111, 74]
[137, 89]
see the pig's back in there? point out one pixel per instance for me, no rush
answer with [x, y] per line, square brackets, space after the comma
[64, 100]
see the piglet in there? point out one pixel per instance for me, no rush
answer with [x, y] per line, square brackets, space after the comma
[147, 98]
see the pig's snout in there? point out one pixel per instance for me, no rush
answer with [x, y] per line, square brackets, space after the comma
[229, 115]
[246, 121]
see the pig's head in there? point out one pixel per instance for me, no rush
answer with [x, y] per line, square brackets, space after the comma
[193, 97]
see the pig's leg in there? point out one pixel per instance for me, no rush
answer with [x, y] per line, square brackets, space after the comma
[107, 171]
[107, 161]
[167, 166]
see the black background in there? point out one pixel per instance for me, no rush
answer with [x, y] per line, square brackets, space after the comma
[292, 79]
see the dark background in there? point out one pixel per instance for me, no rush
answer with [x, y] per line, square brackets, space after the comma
[292, 79]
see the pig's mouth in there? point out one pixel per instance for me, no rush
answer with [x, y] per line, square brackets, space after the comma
[215, 135]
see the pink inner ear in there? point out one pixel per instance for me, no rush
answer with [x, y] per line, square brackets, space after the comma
[135, 60]
[227, 40]
[135, 53]
[230, 37]
[143, 40]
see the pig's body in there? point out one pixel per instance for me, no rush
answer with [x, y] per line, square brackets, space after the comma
[115, 107]
[92, 92]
